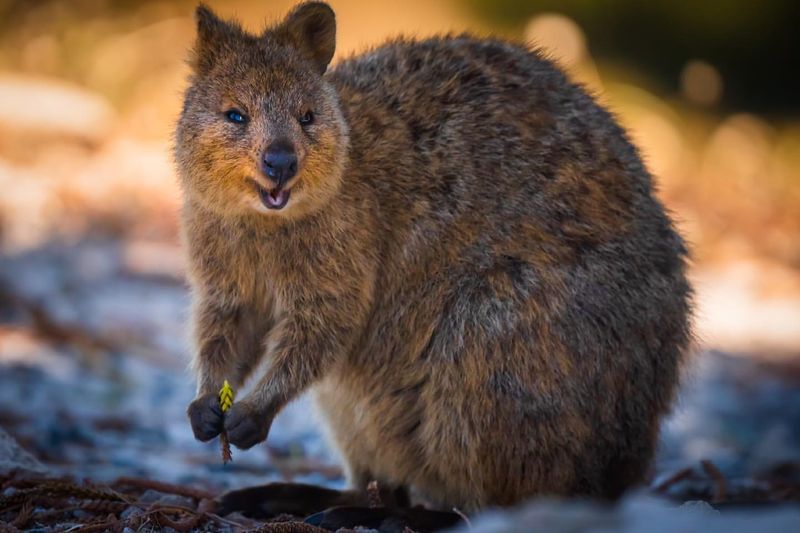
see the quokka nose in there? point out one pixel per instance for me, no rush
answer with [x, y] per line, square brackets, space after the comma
[279, 163]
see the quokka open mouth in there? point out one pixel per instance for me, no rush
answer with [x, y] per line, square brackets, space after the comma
[273, 198]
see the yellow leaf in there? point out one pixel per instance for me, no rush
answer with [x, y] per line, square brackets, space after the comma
[226, 396]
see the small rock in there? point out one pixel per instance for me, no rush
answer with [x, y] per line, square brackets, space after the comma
[154, 496]
[81, 514]
[131, 512]
[698, 507]
[236, 516]
[14, 458]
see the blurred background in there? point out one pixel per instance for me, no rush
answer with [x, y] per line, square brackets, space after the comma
[92, 294]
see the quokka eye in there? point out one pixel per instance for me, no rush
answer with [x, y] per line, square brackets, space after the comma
[236, 116]
[307, 118]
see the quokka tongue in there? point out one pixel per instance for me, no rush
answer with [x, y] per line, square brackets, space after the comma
[277, 197]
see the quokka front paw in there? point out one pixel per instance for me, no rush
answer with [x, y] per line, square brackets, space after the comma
[246, 425]
[205, 415]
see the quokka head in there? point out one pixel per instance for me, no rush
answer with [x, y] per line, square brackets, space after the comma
[261, 130]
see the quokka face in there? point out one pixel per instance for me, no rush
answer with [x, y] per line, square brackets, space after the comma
[261, 131]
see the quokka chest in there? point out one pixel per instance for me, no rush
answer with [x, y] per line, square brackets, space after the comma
[274, 267]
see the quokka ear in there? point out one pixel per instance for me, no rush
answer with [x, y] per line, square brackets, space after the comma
[311, 27]
[212, 35]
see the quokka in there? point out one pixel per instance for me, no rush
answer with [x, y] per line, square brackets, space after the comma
[453, 246]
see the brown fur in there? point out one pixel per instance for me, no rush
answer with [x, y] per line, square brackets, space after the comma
[472, 273]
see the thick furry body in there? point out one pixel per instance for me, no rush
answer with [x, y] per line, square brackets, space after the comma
[491, 306]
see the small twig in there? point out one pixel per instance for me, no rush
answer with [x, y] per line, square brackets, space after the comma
[27, 481]
[108, 523]
[680, 475]
[224, 521]
[43, 516]
[170, 488]
[464, 517]
[225, 447]
[156, 506]
[288, 527]
[178, 525]
[50, 507]
[103, 506]
[61, 489]
[24, 515]
[718, 478]
[199, 513]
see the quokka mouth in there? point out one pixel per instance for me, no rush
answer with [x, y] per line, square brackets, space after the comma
[273, 198]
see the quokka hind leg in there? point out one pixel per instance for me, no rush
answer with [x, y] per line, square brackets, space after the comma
[505, 417]
[388, 510]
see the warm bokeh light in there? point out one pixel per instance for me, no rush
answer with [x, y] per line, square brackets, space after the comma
[560, 36]
[701, 83]
[89, 96]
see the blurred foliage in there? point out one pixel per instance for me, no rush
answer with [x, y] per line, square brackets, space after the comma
[750, 43]
[84, 41]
